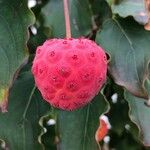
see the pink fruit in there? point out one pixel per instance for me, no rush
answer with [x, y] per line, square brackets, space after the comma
[69, 72]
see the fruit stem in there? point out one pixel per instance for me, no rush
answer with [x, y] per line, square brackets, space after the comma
[67, 19]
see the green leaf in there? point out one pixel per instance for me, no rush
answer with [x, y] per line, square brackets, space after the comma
[140, 114]
[80, 17]
[19, 126]
[15, 18]
[128, 45]
[135, 8]
[77, 129]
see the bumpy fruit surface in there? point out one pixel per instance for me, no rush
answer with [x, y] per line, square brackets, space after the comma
[69, 72]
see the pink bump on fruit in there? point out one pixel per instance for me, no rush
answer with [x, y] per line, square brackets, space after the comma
[69, 72]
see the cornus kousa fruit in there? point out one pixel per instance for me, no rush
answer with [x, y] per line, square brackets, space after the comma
[69, 72]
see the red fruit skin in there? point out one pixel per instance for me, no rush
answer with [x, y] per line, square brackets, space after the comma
[69, 72]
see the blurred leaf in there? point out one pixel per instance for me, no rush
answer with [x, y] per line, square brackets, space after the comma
[114, 1]
[37, 39]
[77, 129]
[19, 126]
[118, 113]
[80, 15]
[101, 11]
[140, 114]
[15, 18]
[119, 123]
[135, 8]
[49, 138]
[43, 33]
[128, 46]
[125, 142]
[124, 133]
